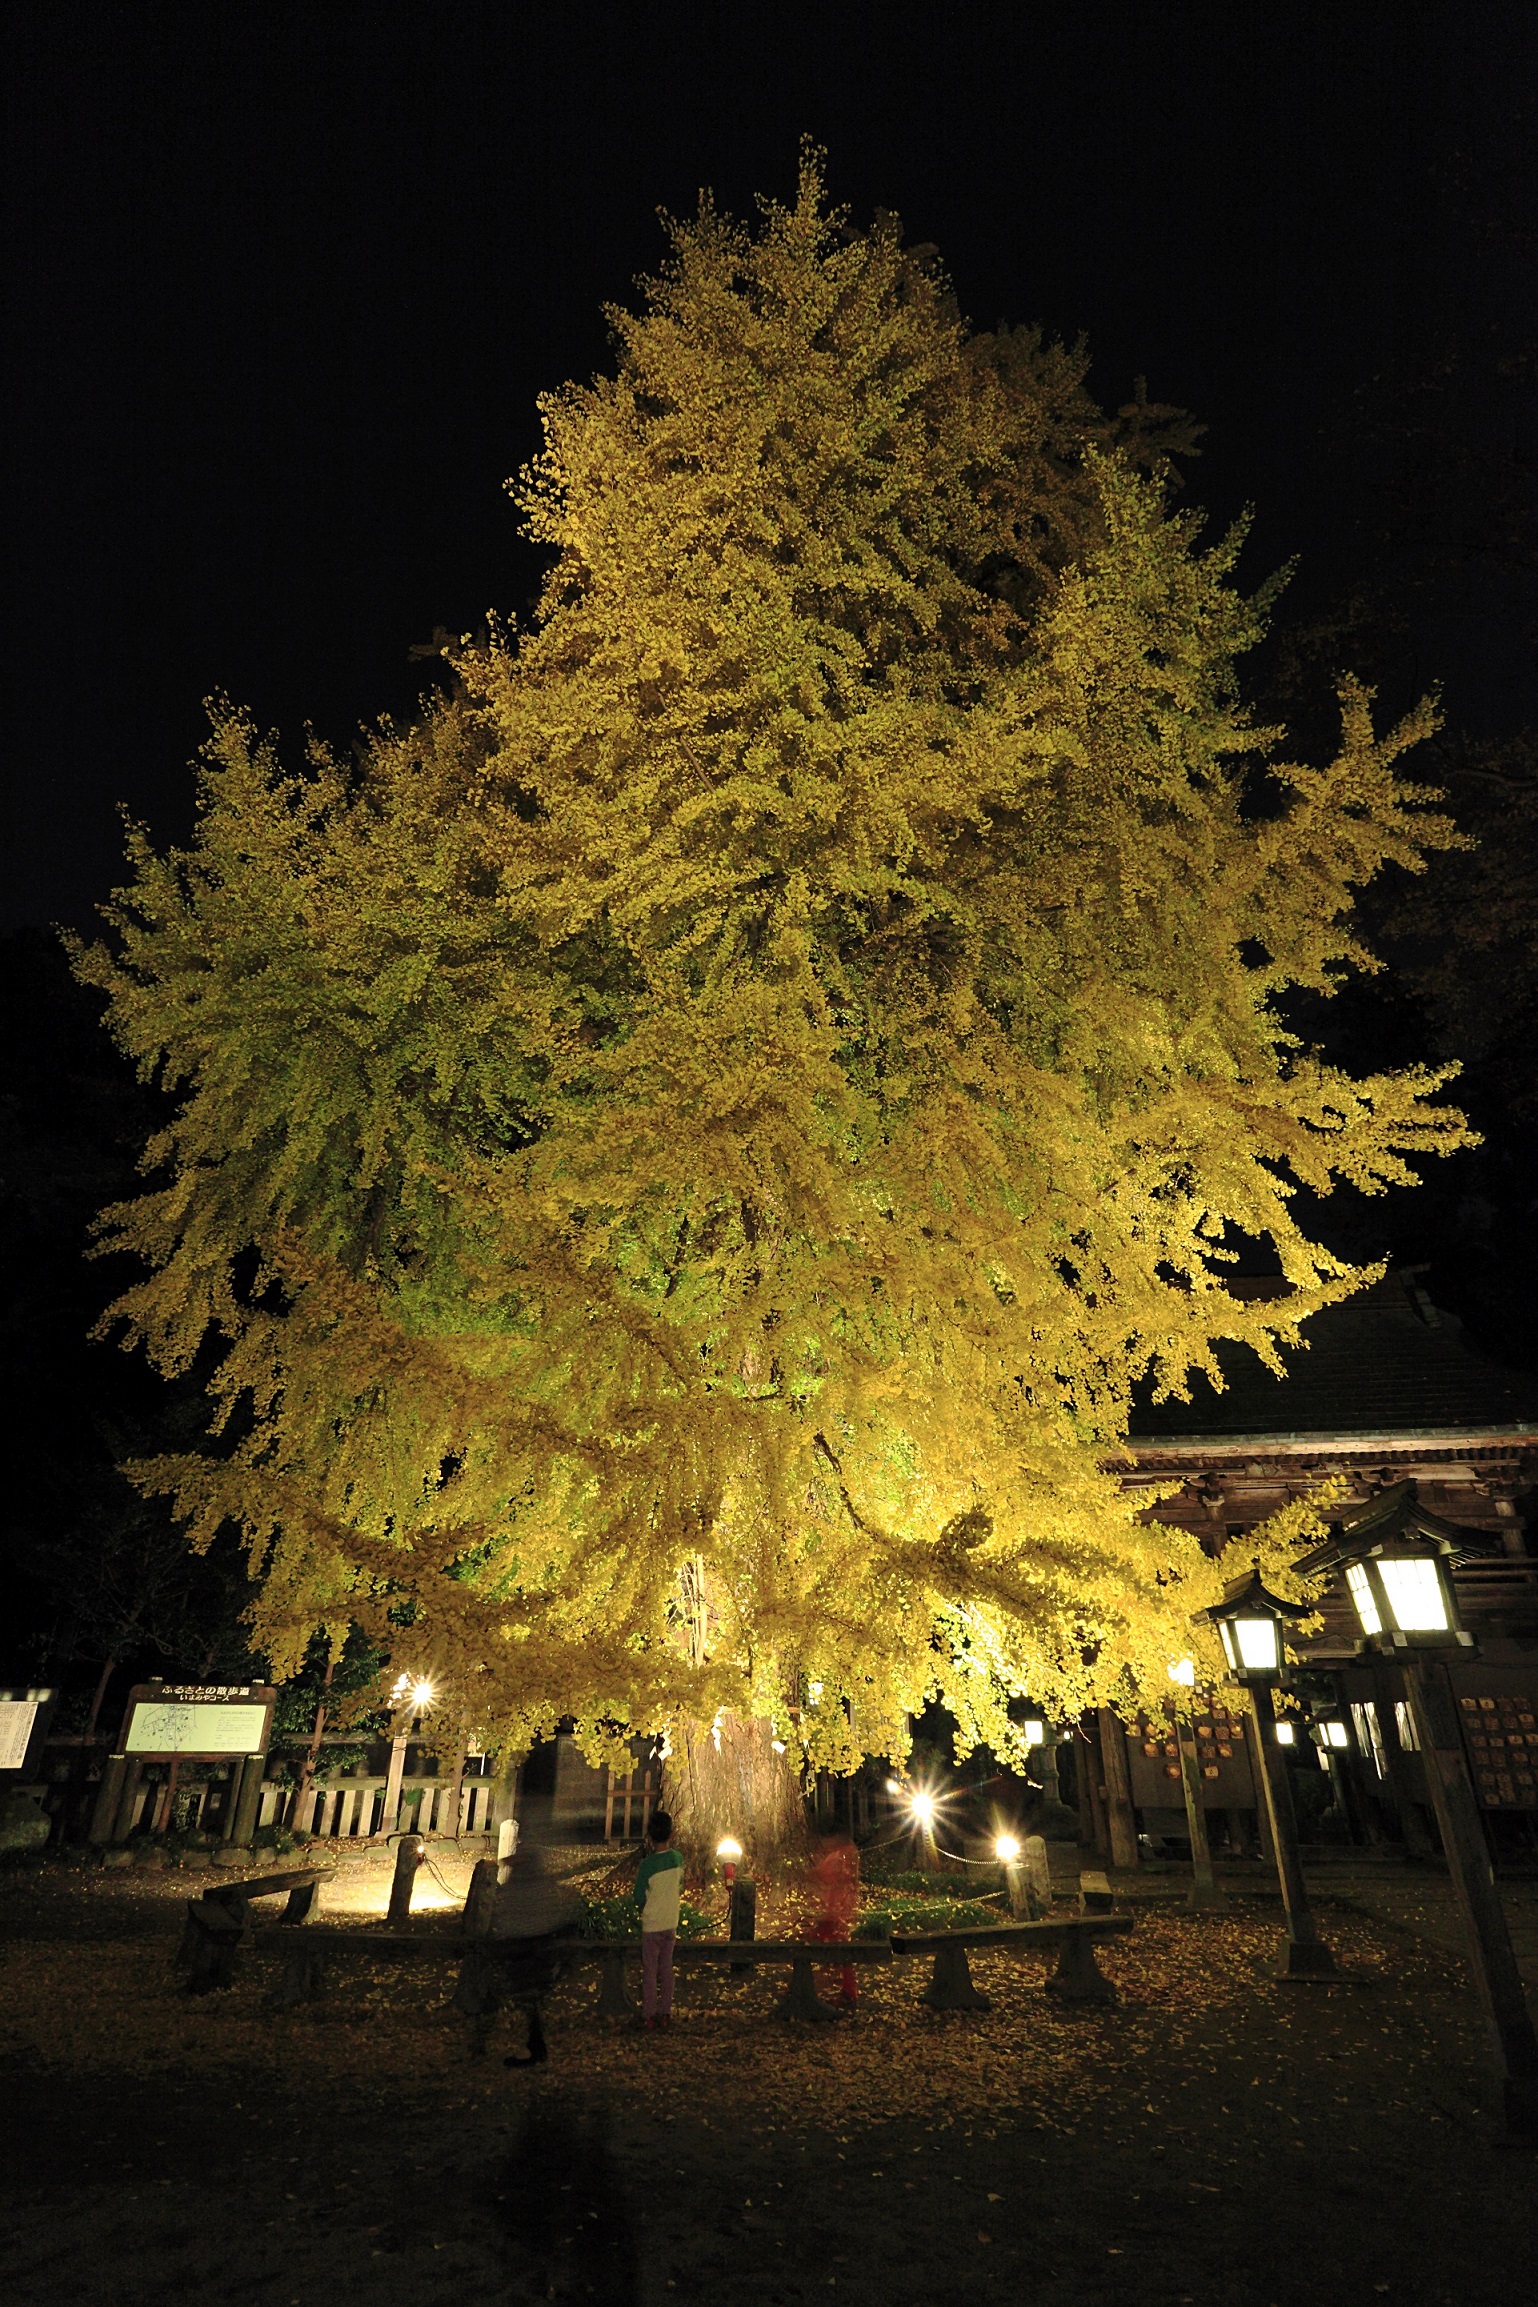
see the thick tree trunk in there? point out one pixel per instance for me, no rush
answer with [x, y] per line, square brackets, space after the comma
[727, 1778]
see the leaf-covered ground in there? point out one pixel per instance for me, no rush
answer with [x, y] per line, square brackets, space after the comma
[1217, 2139]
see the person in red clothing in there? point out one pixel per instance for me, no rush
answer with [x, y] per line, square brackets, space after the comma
[835, 1884]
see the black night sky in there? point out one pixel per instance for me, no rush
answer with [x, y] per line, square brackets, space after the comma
[284, 283]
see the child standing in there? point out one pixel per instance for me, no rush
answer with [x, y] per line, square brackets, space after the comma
[659, 1884]
[835, 1883]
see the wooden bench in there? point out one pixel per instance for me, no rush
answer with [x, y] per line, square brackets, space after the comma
[800, 1999]
[528, 1966]
[1077, 1979]
[217, 1921]
[530, 1962]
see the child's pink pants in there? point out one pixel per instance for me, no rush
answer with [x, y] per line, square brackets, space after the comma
[657, 1973]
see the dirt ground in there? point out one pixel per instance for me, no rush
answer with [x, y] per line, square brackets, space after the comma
[1217, 2139]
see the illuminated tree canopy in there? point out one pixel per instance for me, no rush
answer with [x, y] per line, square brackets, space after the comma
[682, 1156]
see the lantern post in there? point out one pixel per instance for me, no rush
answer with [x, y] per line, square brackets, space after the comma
[1396, 1558]
[1205, 1896]
[1249, 1622]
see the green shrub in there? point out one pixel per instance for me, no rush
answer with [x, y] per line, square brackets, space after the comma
[620, 1918]
[940, 1882]
[919, 1914]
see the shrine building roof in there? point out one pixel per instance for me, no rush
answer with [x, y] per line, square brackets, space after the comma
[1387, 1365]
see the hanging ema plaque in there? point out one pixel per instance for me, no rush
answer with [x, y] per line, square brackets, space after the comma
[207, 1720]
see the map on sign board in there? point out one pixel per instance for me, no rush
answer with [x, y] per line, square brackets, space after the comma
[160, 1727]
[17, 1716]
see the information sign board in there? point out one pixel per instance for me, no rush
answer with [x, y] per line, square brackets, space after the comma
[17, 1716]
[205, 1720]
[24, 1716]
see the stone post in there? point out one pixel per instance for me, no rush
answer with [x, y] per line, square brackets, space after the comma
[408, 1857]
[393, 1778]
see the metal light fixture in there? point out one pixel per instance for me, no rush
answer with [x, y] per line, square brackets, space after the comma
[1397, 1559]
[729, 1852]
[1249, 1620]
[1006, 1849]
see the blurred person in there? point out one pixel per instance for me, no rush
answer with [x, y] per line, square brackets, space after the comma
[536, 1911]
[834, 1880]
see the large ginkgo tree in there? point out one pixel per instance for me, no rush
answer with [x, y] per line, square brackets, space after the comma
[681, 1156]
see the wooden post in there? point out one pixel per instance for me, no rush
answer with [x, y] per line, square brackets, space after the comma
[164, 1821]
[1205, 1896]
[1417, 1841]
[122, 1825]
[1121, 1817]
[108, 1795]
[743, 1912]
[1094, 1833]
[244, 1813]
[1496, 1978]
[1263, 1834]
[1307, 1957]
[408, 1857]
[232, 1798]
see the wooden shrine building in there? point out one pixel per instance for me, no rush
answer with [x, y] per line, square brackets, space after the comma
[1387, 1389]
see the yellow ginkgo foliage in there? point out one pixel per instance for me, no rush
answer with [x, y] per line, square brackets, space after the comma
[682, 1156]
